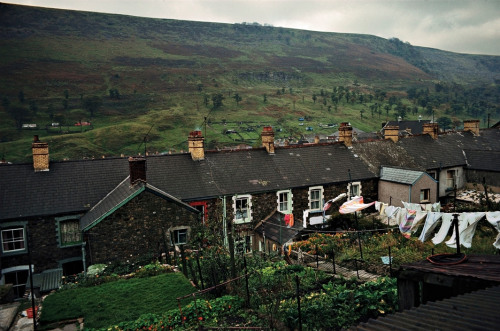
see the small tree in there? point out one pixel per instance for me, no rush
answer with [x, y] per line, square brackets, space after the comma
[92, 104]
[217, 99]
[237, 98]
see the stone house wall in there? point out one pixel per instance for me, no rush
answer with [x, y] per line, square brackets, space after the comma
[138, 228]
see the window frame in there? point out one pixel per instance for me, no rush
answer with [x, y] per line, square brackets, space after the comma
[425, 192]
[174, 235]
[248, 218]
[319, 200]
[204, 212]
[247, 241]
[289, 201]
[453, 179]
[14, 227]
[63, 220]
[350, 187]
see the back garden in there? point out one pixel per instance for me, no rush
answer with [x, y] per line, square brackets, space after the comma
[269, 291]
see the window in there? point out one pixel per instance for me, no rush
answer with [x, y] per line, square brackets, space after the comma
[425, 195]
[18, 276]
[316, 198]
[243, 245]
[13, 240]
[179, 236]
[284, 201]
[451, 179]
[432, 174]
[202, 207]
[242, 206]
[69, 232]
[353, 190]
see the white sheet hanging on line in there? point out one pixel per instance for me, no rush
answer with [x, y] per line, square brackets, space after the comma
[443, 230]
[354, 205]
[494, 219]
[431, 222]
[467, 223]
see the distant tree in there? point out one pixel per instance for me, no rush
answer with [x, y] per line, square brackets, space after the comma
[237, 98]
[265, 97]
[66, 94]
[92, 104]
[33, 107]
[217, 99]
[20, 96]
[65, 104]
[19, 114]
[205, 100]
[444, 122]
[314, 97]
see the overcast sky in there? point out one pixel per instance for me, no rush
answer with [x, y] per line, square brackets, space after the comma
[464, 26]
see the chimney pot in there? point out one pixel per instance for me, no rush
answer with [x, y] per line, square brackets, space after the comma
[345, 134]
[472, 126]
[137, 168]
[391, 132]
[196, 145]
[431, 129]
[40, 155]
[267, 136]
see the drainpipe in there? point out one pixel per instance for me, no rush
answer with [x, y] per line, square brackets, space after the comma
[224, 227]
[84, 260]
[409, 193]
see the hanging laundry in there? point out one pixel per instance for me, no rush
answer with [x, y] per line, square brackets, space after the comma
[378, 205]
[494, 219]
[412, 206]
[354, 205]
[382, 208]
[329, 203]
[305, 215]
[390, 211]
[419, 217]
[289, 220]
[407, 222]
[431, 222]
[443, 230]
[466, 231]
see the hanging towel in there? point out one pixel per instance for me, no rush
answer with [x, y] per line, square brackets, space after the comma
[466, 231]
[377, 205]
[494, 219]
[445, 227]
[390, 211]
[305, 214]
[407, 222]
[291, 221]
[287, 220]
[382, 208]
[354, 205]
[419, 217]
[430, 224]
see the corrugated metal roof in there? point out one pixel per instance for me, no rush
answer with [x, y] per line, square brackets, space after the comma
[472, 311]
[47, 280]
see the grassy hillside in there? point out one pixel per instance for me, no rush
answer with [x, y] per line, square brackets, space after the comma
[145, 83]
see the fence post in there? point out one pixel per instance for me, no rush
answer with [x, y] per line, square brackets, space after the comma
[317, 260]
[199, 270]
[333, 262]
[246, 281]
[298, 301]
[390, 262]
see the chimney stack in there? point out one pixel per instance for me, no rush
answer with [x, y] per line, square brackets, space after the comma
[391, 132]
[40, 155]
[267, 136]
[196, 145]
[431, 129]
[345, 134]
[316, 139]
[472, 126]
[137, 168]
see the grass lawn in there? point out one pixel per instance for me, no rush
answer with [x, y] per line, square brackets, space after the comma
[118, 301]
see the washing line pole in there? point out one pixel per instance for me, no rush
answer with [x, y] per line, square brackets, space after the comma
[355, 215]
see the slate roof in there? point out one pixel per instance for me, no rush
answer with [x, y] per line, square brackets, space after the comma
[448, 149]
[415, 127]
[483, 160]
[76, 186]
[119, 196]
[276, 230]
[401, 176]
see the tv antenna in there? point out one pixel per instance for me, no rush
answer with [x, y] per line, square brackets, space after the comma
[145, 141]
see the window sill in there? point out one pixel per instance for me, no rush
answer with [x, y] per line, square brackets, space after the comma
[71, 245]
[241, 221]
[12, 253]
